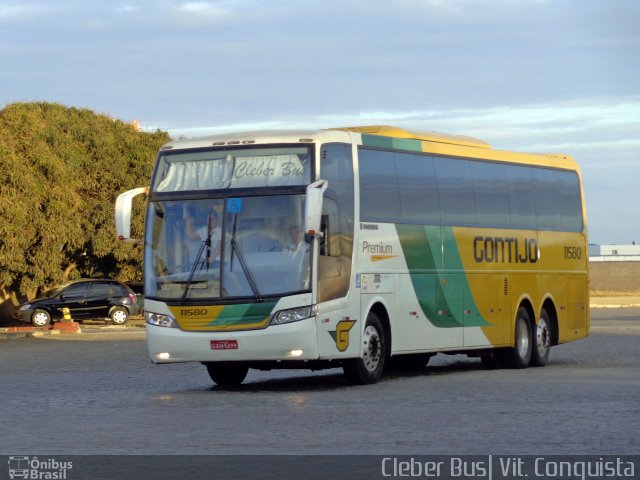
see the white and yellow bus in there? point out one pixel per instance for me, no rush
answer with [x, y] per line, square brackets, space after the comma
[357, 247]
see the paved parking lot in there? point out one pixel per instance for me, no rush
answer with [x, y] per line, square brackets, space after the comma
[97, 393]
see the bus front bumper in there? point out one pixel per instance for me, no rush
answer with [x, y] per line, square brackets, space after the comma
[292, 341]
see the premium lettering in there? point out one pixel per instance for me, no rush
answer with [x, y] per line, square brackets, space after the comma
[505, 250]
[376, 248]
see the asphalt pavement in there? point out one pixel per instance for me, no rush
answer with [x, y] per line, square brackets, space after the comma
[97, 393]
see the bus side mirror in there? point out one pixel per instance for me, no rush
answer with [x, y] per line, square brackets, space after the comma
[313, 207]
[123, 214]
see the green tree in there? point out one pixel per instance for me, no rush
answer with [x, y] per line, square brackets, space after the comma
[61, 171]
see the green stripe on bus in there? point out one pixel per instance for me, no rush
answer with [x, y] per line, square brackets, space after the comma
[243, 313]
[389, 142]
[443, 304]
[463, 302]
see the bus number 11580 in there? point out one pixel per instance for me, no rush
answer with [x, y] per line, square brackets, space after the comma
[572, 253]
[193, 312]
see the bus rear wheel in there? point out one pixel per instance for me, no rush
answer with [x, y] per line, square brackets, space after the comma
[227, 374]
[368, 368]
[519, 356]
[541, 341]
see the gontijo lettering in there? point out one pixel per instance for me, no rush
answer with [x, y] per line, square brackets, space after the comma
[505, 250]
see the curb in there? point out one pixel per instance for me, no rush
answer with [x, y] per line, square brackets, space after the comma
[614, 302]
[9, 333]
[611, 305]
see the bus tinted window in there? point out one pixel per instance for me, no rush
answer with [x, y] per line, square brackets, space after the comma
[379, 195]
[490, 186]
[522, 210]
[547, 202]
[334, 263]
[418, 188]
[414, 188]
[569, 197]
[455, 189]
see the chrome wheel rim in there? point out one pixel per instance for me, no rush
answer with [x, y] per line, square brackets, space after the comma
[372, 348]
[543, 338]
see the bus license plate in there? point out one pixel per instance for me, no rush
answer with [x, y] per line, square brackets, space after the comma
[224, 344]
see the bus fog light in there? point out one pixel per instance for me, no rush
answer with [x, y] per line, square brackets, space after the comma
[291, 315]
[296, 353]
[160, 320]
[163, 356]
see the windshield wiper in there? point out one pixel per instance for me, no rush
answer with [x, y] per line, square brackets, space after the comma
[245, 268]
[205, 244]
[235, 248]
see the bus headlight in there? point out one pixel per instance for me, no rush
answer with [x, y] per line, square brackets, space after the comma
[160, 320]
[292, 315]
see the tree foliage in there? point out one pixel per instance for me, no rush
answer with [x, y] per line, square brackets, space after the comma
[62, 169]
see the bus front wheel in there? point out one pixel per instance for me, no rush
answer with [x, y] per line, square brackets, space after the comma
[227, 374]
[519, 356]
[368, 368]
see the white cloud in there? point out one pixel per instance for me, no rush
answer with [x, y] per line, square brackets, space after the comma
[10, 13]
[204, 8]
[538, 127]
[463, 8]
[128, 9]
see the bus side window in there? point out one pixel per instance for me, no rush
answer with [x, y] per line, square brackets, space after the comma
[336, 246]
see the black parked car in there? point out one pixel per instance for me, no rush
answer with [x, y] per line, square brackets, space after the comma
[108, 299]
[138, 289]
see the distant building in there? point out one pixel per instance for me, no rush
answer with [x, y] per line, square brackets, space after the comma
[614, 269]
[614, 253]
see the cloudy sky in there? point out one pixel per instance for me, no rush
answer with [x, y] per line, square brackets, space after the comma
[533, 75]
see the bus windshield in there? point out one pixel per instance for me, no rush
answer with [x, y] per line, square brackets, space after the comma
[227, 248]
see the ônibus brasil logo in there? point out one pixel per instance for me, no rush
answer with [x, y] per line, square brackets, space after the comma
[38, 469]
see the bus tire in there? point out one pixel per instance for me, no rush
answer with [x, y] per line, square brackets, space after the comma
[519, 356]
[227, 374]
[541, 341]
[368, 369]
